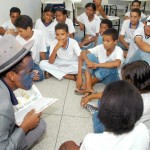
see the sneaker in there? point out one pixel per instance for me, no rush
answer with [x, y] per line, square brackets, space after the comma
[92, 109]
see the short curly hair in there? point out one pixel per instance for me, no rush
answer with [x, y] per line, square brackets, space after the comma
[138, 73]
[121, 107]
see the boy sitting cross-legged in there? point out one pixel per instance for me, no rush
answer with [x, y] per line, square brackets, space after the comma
[100, 64]
[64, 52]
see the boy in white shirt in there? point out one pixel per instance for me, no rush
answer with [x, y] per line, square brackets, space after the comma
[24, 26]
[91, 23]
[140, 45]
[8, 27]
[121, 107]
[47, 26]
[135, 4]
[101, 63]
[61, 17]
[64, 52]
[128, 28]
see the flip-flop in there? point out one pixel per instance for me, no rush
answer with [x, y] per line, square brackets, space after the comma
[78, 92]
[88, 93]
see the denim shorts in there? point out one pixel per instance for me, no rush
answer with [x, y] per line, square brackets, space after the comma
[105, 75]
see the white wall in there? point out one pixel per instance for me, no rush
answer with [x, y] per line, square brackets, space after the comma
[27, 7]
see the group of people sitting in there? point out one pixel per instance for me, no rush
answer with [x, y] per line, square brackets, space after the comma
[122, 116]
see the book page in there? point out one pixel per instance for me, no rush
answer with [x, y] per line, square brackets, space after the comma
[28, 100]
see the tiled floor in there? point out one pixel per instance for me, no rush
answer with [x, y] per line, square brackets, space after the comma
[66, 119]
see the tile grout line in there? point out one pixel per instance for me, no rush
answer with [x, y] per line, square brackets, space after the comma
[61, 115]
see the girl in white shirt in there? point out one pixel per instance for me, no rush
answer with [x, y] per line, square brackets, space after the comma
[91, 23]
[47, 26]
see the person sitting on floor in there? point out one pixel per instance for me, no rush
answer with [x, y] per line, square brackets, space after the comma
[128, 28]
[99, 9]
[8, 27]
[26, 33]
[121, 108]
[101, 63]
[135, 4]
[47, 26]
[91, 23]
[61, 17]
[139, 48]
[104, 25]
[16, 71]
[64, 52]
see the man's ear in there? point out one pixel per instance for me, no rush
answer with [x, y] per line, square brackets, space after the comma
[11, 76]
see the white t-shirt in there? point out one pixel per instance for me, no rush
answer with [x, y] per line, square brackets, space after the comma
[39, 44]
[127, 31]
[133, 48]
[142, 15]
[101, 53]
[137, 139]
[92, 27]
[8, 25]
[146, 114]
[48, 31]
[71, 52]
[69, 23]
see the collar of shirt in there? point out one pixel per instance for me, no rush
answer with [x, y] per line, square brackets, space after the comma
[64, 49]
[12, 95]
[46, 24]
[130, 25]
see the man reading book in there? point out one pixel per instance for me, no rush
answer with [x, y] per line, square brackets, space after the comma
[16, 71]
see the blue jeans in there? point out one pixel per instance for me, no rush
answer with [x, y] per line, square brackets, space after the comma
[36, 67]
[99, 40]
[105, 75]
[78, 39]
[139, 55]
[47, 53]
[97, 124]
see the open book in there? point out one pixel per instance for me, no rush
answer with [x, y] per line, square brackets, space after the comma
[28, 100]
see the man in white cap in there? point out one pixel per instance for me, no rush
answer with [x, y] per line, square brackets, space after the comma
[16, 71]
[140, 47]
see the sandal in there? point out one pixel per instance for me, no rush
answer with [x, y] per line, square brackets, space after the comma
[47, 75]
[79, 92]
[88, 93]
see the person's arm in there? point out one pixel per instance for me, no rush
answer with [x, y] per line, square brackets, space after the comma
[102, 12]
[2, 31]
[80, 24]
[11, 136]
[94, 38]
[87, 99]
[42, 55]
[121, 39]
[141, 44]
[54, 52]
[113, 64]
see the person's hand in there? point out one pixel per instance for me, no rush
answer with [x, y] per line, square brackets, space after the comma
[81, 44]
[60, 43]
[10, 31]
[84, 101]
[30, 121]
[36, 76]
[81, 27]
